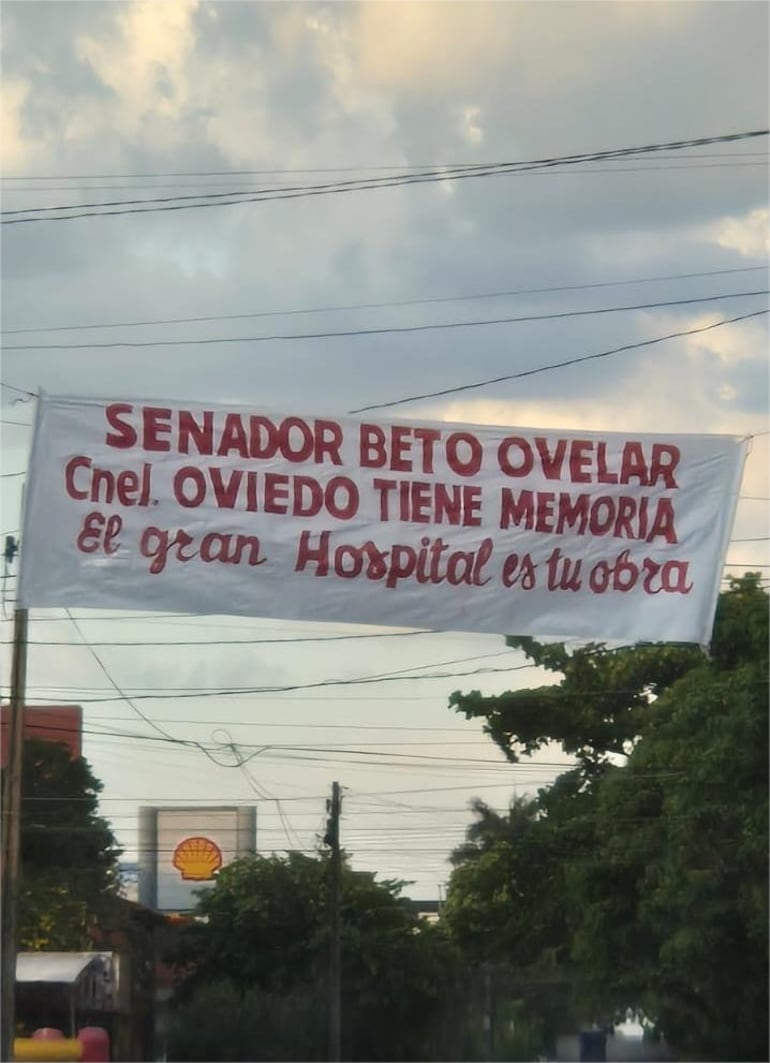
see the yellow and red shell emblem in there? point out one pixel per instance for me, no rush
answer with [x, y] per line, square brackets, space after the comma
[197, 859]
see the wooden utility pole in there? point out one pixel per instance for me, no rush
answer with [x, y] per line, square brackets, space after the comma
[335, 964]
[489, 1010]
[11, 820]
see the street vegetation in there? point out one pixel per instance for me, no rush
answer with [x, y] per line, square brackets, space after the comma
[637, 880]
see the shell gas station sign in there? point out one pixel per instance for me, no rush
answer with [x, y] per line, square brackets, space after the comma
[197, 859]
[182, 849]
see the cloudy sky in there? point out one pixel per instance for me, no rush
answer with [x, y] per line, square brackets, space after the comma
[127, 101]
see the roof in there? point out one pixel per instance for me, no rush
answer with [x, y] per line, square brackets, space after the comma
[64, 967]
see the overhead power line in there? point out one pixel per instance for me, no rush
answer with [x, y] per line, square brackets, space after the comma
[531, 172]
[363, 681]
[167, 203]
[385, 305]
[556, 365]
[305, 169]
[114, 685]
[21, 391]
[384, 330]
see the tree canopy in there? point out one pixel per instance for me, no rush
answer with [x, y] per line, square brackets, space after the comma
[264, 937]
[643, 869]
[69, 856]
[638, 878]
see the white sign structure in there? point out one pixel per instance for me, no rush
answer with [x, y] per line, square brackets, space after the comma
[183, 849]
[201, 508]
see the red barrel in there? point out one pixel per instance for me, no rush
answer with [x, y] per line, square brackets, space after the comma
[96, 1044]
[47, 1033]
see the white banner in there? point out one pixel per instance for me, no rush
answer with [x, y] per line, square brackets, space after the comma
[202, 508]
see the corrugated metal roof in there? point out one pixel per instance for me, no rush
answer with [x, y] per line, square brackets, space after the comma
[63, 967]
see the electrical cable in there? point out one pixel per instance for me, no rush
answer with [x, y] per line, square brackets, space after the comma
[37, 214]
[388, 304]
[381, 331]
[238, 642]
[555, 365]
[363, 681]
[244, 190]
[129, 701]
[21, 391]
[306, 169]
[113, 684]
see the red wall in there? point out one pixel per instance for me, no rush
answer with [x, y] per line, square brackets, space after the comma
[54, 723]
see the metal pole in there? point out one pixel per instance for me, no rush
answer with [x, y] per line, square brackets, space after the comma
[335, 965]
[12, 835]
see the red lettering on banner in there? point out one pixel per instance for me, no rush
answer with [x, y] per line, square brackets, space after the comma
[276, 493]
[420, 502]
[580, 460]
[233, 438]
[626, 517]
[295, 439]
[563, 573]
[464, 453]
[99, 531]
[401, 443]
[308, 555]
[394, 565]
[634, 466]
[421, 498]
[245, 435]
[302, 506]
[159, 546]
[603, 476]
[347, 507]
[624, 574]
[544, 512]
[226, 491]
[587, 461]
[552, 463]
[124, 435]
[328, 440]
[84, 481]
[384, 487]
[519, 570]
[506, 459]
[372, 453]
[664, 469]
[156, 422]
[69, 477]
[189, 486]
[427, 436]
[201, 435]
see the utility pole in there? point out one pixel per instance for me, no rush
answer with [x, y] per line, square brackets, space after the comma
[335, 964]
[489, 1010]
[12, 835]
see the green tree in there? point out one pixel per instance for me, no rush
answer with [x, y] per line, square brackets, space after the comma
[69, 856]
[651, 877]
[225, 1020]
[505, 910]
[266, 927]
[672, 904]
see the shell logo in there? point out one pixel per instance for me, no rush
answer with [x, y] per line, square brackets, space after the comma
[197, 859]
